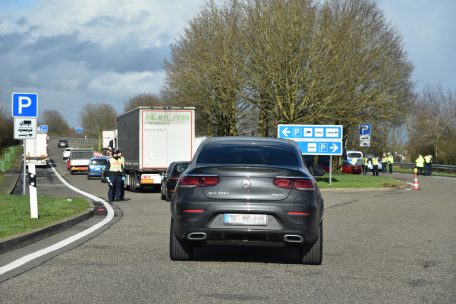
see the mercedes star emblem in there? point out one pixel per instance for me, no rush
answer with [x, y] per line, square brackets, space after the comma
[246, 184]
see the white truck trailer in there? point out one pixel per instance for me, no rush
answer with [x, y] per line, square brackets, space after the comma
[109, 139]
[36, 150]
[150, 138]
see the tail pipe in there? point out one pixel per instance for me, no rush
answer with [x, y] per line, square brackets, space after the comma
[196, 236]
[291, 238]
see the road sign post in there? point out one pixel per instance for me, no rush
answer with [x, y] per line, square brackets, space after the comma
[315, 139]
[24, 109]
[32, 192]
[365, 130]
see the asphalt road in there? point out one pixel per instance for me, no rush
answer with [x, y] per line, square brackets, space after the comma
[393, 246]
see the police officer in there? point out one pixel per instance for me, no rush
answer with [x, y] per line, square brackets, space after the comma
[375, 166]
[420, 164]
[122, 181]
[428, 165]
[384, 162]
[114, 173]
[365, 165]
[390, 161]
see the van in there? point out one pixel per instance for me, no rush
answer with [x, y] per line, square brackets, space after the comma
[355, 157]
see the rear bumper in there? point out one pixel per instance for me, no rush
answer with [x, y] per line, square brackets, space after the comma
[279, 225]
[79, 168]
[94, 173]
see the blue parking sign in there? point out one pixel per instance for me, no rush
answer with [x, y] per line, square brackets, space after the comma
[365, 129]
[43, 129]
[24, 104]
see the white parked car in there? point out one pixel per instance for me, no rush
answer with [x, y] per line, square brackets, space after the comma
[369, 163]
[67, 152]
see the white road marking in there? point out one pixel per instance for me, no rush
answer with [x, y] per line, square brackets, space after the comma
[32, 256]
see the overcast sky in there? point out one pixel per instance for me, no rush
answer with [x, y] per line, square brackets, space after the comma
[72, 52]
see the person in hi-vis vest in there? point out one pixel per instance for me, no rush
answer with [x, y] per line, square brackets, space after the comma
[114, 174]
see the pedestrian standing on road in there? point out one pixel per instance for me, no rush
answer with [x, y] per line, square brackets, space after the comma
[390, 161]
[122, 181]
[365, 164]
[428, 165]
[384, 162]
[420, 164]
[114, 173]
[375, 163]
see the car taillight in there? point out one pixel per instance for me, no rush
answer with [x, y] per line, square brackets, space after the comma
[283, 182]
[304, 184]
[189, 181]
[294, 183]
[209, 181]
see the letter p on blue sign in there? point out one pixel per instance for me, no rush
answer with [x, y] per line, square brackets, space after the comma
[25, 104]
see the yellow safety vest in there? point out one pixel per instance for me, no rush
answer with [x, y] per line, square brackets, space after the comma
[420, 161]
[374, 161]
[116, 165]
[390, 159]
[428, 159]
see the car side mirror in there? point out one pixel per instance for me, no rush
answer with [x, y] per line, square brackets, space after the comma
[316, 170]
[181, 168]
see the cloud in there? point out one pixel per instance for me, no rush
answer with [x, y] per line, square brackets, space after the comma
[74, 52]
[428, 29]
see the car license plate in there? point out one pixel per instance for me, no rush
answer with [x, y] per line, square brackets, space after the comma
[245, 219]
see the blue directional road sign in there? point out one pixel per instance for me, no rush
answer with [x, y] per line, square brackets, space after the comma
[310, 132]
[43, 129]
[365, 129]
[320, 148]
[25, 104]
[314, 139]
[79, 130]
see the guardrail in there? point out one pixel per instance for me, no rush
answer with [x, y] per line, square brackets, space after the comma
[80, 140]
[448, 168]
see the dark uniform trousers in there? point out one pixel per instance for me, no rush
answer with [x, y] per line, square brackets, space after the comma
[115, 190]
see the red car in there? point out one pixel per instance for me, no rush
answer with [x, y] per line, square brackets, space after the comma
[346, 167]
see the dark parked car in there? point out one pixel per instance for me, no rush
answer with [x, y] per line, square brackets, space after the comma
[247, 190]
[63, 143]
[170, 178]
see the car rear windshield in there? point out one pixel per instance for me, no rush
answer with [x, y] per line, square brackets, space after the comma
[98, 162]
[247, 155]
[354, 155]
[81, 154]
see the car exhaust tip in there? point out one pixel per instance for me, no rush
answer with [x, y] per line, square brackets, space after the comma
[196, 236]
[291, 238]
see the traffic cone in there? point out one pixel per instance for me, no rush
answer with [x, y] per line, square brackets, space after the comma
[416, 186]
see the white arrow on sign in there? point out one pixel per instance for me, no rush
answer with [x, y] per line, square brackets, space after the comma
[286, 131]
[334, 148]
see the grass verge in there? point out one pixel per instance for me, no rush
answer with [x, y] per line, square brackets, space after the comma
[340, 180]
[15, 212]
[434, 172]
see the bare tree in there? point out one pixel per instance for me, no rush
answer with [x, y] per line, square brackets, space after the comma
[295, 61]
[57, 125]
[432, 127]
[143, 100]
[6, 129]
[95, 118]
